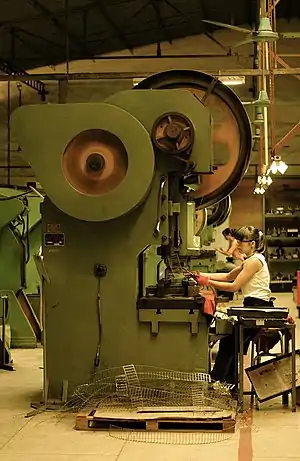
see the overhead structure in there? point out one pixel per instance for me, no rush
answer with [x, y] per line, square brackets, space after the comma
[127, 172]
[263, 34]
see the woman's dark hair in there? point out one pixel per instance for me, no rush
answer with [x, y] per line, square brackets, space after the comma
[251, 234]
[228, 231]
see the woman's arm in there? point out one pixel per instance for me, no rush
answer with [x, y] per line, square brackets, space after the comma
[246, 272]
[232, 247]
[221, 276]
[224, 252]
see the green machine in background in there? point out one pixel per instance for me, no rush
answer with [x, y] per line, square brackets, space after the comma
[20, 238]
[126, 172]
[202, 225]
[206, 224]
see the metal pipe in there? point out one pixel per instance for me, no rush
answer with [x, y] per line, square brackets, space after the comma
[288, 55]
[258, 62]
[165, 56]
[265, 70]
[271, 78]
[265, 111]
[8, 135]
[67, 40]
[130, 75]
[148, 57]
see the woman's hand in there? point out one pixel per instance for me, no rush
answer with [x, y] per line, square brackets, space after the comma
[290, 319]
[223, 252]
[200, 278]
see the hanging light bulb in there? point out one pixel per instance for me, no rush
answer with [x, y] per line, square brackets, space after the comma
[277, 166]
[264, 181]
[259, 189]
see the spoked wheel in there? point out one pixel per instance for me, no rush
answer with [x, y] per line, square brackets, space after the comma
[232, 136]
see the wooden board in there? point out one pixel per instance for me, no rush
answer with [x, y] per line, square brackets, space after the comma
[213, 421]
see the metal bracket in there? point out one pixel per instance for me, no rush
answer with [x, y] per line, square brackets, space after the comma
[192, 316]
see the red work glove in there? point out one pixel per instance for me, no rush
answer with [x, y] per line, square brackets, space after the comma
[290, 319]
[201, 279]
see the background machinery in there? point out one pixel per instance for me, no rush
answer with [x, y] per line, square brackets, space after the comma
[20, 238]
[123, 180]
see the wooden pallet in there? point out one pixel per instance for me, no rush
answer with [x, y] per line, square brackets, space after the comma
[95, 420]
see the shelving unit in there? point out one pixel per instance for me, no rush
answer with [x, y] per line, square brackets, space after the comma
[282, 230]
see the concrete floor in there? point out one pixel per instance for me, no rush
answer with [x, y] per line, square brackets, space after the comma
[269, 434]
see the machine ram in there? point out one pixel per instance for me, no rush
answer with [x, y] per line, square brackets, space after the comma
[120, 177]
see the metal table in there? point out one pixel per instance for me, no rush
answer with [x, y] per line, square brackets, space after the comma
[267, 324]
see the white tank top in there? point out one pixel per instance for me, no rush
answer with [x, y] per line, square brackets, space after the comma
[259, 285]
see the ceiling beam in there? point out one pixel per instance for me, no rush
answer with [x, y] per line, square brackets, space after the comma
[282, 142]
[160, 21]
[58, 13]
[213, 39]
[38, 37]
[284, 64]
[32, 47]
[59, 25]
[100, 7]
[175, 8]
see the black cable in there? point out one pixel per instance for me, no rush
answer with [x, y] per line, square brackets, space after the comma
[97, 356]
[27, 239]
[3, 199]
[23, 227]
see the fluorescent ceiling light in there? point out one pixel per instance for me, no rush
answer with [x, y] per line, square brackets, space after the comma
[233, 80]
[136, 81]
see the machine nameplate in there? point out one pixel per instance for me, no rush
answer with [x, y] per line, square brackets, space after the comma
[54, 239]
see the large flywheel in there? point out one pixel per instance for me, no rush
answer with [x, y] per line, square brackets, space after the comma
[232, 136]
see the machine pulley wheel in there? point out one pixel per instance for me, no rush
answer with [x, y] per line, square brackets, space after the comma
[173, 133]
[95, 162]
[219, 212]
[232, 137]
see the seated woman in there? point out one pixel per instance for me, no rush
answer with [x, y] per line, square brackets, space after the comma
[253, 278]
[234, 256]
[233, 252]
